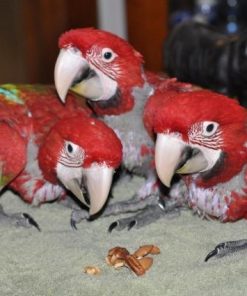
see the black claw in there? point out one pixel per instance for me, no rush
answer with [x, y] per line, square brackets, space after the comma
[31, 221]
[112, 226]
[219, 248]
[132, 224]
[211, 254]
[73, 224]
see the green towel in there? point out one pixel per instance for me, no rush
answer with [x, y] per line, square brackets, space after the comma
[51, 262]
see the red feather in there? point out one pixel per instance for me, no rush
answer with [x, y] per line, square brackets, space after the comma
[128, 61]
[33, 113]
[177, 113]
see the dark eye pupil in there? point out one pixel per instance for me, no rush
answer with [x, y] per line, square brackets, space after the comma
[70, 148]
[107, 55]
[210, 127]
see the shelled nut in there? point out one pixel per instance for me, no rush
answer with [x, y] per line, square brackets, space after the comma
[137, 262]
[92, 270]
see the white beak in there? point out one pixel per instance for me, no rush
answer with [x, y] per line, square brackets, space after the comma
[72, 71]
[171, 158]
[168, 150]
[97, 179]
[98, 182]
[69, 66]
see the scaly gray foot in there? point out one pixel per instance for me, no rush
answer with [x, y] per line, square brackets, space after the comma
[227, 248]
[147, 216]
[18, 219]
[132, 205]
[77, 216]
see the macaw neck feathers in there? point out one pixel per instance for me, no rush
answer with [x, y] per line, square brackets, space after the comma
[224, 200]
[124, 101]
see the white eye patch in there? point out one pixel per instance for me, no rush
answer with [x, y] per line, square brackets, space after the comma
[108, 55]
[209, 128]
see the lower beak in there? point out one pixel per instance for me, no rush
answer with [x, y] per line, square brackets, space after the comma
[172, 155]
[69, 67]
[97, 180]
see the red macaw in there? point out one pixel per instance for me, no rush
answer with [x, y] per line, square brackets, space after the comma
[49, 149]
[108, 72]
[202, 136]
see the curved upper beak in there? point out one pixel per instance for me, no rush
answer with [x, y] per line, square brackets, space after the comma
[97, 179]
[69, 67]
[98, 182]
[172, 155]
[73, 71]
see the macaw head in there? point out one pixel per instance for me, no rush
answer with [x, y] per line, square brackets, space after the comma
[200, 133]
[82, 154]
[99, 66]
[12, 153]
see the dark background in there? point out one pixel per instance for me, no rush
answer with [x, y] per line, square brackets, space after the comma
[29, 31]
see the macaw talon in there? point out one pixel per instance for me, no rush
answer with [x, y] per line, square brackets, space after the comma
[73, 224]
[19, 219]
[211, 254]
[31, 221]
[126, 223]
[132, 224]
[148, 215]
[227, 248]
[112, 226]
[161, 203]
[77, 216]
[220, 250]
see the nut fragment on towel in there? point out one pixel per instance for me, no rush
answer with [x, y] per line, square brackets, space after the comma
[92, 270]
[119, 256]
[145, 250]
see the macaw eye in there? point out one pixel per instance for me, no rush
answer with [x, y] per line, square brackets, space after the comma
[209, 128]
[70, 148]
[71, 154]
[108, 55]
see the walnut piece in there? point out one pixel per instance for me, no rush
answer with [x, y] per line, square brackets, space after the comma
[92, 270]
[146, 250]
[119, 256]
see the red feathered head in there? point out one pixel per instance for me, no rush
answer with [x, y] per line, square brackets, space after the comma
[100, 66]
[213, 130]
[81, 153]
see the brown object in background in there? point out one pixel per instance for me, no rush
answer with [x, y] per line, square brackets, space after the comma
[147, 28]
[29, 32]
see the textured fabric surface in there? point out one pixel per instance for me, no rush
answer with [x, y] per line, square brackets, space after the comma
[51, 262]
